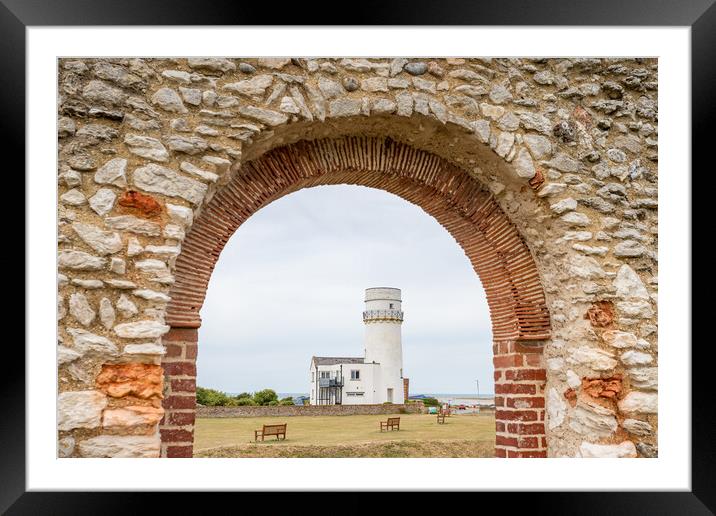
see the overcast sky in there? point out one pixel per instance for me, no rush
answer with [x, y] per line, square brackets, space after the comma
[290, 284]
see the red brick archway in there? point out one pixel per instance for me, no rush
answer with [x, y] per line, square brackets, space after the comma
[499, 255]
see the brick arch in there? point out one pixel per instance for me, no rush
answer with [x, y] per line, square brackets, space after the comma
[459, 202]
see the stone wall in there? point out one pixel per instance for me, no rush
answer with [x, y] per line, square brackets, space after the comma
[308, 410]
[560, 155]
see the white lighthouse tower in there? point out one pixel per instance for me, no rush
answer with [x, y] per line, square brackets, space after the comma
[383, 318]
[377, 376]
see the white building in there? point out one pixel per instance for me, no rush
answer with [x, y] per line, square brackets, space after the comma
[377, 376]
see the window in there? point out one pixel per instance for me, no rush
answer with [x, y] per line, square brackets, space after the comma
[325, 374]
[313, 374]
[355, 374]
[391, 305]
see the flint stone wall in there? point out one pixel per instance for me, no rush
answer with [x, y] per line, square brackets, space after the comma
[307, 410]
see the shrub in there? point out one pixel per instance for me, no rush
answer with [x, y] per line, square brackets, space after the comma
[265, 396]
[431, 402]
[214, 398]
[211, 397]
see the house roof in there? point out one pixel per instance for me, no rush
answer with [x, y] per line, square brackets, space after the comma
[337, 360]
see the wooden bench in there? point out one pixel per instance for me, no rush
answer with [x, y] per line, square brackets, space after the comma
[393, 422]
[277, 430]
[441, 418]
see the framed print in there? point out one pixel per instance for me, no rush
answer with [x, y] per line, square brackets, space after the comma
[242, 297]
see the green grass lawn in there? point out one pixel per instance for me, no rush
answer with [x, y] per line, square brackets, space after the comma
[465, 435]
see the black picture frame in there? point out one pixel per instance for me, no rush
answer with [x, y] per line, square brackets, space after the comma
[699, 15]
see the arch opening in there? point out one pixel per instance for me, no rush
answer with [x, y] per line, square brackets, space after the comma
[499, 255]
